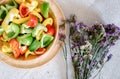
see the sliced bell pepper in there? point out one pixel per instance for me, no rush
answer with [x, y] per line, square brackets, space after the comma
[6, 48]
[48, 21]
[37, 10]
[24, 30]
[20, 1]
[11, 5]
[45, 9]
[40, 51]
[37, 29]
[13, 31]
[32, 5]
[1, 30]
[34, 12]
[24, 10]
[51, 30]
[23, 49]
[25, 39]
[3, 12]
[46, 40]
[28, 53]
[33, 21]
[39, 35]
[20, 20]
[5, 37]
[27, 6]
[14, 44]
[34, 46]
[11, 14]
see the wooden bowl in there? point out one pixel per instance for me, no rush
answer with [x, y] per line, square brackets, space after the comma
[53, 49]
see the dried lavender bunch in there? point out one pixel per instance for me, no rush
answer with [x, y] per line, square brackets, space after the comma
[90, 45]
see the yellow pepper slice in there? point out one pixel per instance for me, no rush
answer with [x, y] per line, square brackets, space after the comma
[5, 37]
[11, 14]
[19, 1]
[6, 48]
[37, 9]
[48, 21]
[38, 15]
[39, 35]
[32, 5]
[21, 20]
[28, 53]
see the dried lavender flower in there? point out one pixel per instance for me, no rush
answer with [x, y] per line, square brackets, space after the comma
[90, 45]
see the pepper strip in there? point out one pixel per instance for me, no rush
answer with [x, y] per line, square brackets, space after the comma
[21, 20]
[11, 14]
[38, 15]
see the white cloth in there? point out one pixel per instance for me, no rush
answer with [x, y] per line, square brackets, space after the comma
[87, 11]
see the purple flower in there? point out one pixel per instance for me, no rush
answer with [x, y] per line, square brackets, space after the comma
[109, 57]
[112, 30]
[73, 46]
[81, 59]
[74, 56]
[80, 26]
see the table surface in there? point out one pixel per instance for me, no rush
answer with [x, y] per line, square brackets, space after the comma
[89, 12]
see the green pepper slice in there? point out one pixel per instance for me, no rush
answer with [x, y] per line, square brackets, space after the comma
[3, 12]
[13, 31]
[44, 9]
[11, 5]
[24, 30]
[46, 40]
[37, 29]
[25, 39]
[34, 46]
[1, 30]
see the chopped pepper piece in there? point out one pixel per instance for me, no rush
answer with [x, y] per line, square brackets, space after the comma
[3, 12]
[11, 14]
[37, 14]
[6, 48]
[24, 30]
[44, 9]
[34, 46]
[28, 53]
[14, 44]
[20, 1]
[40, 51]
[1, 30]
[46, 40]
[25, 39]
[11, 5]
[13, 31]
[48, 21]
[39, 35]
[21, 20]
[33, 21]
[37, 29]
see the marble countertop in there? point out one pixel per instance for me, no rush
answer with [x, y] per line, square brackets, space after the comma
[87, 11]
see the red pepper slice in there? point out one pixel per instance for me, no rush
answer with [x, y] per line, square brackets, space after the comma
[24, 10]
[51, 30]
[14, 44]
[33, 21]
[40, 51]
[23, 49]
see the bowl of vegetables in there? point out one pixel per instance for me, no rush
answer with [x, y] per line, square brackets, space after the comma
[29, 32]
